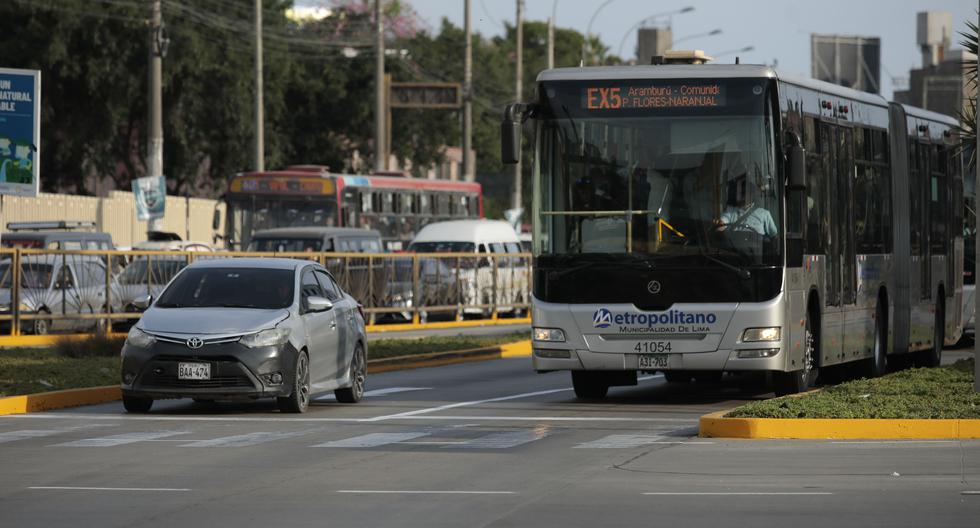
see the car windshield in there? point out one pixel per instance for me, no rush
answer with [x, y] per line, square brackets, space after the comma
[287, 244]
[161, 271]
[31, 275]
[442, 247]
[259, 288]
[659, 181]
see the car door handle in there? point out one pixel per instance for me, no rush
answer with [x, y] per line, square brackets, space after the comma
[333, 325]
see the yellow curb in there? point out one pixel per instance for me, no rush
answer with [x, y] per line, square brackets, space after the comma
[715, 425]
[46, 401]
[44, 340]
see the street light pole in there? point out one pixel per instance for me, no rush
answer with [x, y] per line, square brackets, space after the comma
[380, 150]
[587, 44]
[468, 173]
[551, 35]
[516, 199]
[259, 112]
[154, 139]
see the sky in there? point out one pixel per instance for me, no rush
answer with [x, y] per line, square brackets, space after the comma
[779, 30]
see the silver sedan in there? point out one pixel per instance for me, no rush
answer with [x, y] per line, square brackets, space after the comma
[243, 329]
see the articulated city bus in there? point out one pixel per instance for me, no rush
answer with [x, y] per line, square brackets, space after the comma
[701, 219]
[306, 195]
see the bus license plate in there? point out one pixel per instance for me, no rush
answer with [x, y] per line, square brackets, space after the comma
[194, 371]
[653, 361]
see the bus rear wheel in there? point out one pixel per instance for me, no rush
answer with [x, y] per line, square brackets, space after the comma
[933, 357]
[589, 385]
[799, 380]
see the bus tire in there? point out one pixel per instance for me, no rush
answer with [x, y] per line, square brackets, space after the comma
[878, 363]
[934, 356]
[589, 385]
[797, 381]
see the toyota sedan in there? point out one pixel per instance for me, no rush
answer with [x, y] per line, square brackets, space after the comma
[246, 329]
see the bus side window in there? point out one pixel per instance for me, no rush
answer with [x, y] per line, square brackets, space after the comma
[484, 261]
[366, 204]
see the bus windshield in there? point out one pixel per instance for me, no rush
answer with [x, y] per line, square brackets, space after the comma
[247, 215]
[658, 169]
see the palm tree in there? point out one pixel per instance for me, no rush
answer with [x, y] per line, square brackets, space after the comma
[968, 116]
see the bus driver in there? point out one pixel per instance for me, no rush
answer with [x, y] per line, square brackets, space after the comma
[742, 213]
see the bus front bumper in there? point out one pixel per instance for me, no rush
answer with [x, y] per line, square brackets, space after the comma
[546, 359]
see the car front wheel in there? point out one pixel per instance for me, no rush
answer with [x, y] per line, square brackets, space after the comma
[299, 400]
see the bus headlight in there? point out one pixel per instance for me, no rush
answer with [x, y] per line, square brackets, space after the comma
[752, 335]
[554, 335]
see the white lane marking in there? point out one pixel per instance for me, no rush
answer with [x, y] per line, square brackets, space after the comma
[245, 440]
[620, 441]
[692, 421]
[120, 439]
[722, 493]
[13, 436]
[88, 488]
[429, 492]
[376, 392]
[876, 442]
[374, 440]
[503, 440]
[464, 404]
[431, 442]
[276, 419]
[970, 493]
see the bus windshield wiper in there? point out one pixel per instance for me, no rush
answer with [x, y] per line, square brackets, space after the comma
[740, 271]
[628, 261]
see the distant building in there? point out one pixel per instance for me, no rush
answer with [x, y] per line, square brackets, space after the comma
[651, 42]
[941, 84]
[854, 62]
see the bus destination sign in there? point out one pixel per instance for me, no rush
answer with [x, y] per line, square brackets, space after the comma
[282, 185]
[642, 96]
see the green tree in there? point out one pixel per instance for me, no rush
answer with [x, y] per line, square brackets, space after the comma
[968, 117]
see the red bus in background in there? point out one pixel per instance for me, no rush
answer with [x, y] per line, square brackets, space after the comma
[306, 195]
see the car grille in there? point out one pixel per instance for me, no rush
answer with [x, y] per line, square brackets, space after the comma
[220, 382]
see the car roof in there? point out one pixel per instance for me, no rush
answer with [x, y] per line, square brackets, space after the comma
[482, 230]
[318, 232]
[252, 262]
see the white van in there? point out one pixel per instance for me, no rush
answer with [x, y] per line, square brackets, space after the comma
[489, 241]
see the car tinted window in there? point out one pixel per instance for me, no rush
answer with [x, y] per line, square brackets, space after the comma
[72, 244]
[260, 288]
[309, 287]
[66, 279]
[329, 287]
[441, 247]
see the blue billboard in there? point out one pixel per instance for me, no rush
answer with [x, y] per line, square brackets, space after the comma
[150, 195]
[20, 131]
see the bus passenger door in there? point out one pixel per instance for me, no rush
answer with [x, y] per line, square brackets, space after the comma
[852, 322]
[831, 330]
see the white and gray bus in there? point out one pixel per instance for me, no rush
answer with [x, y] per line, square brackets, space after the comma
[701, 219]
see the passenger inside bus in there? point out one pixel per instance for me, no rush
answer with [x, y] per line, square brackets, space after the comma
[742, 213]
[599, 233]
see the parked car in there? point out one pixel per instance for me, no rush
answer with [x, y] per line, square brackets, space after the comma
[247, 328]
[172, 245]
[489, 241]
[317, 239]
[144, 275]
[55, 235]
[437, 286]
[56, 285]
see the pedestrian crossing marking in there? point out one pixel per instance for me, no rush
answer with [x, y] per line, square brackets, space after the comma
[374, 440]
[503, 440]
[621, 441]
[245, 440]
[120, 439]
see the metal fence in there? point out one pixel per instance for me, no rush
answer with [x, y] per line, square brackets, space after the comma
[57, 291]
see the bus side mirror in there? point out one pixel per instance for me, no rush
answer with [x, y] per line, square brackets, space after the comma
[510, 132]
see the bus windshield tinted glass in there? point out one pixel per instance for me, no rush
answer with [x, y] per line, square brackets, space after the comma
[247, 216]
[259, 288]
[658, 168]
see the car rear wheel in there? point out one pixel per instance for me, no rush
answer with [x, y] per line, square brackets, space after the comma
[41, 326]
[136, 404]
[299, 400]
[358, 375]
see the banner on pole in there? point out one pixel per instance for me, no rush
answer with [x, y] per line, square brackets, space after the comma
[20, 131]
[150, 195]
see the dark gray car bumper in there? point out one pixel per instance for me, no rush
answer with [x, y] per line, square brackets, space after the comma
[236, 371]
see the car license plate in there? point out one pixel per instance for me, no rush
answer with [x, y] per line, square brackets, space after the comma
[194, 371]
[653, 361]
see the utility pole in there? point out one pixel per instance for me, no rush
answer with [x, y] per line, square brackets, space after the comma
[518, 90]
[154, 138]
[551, 43]
[380, 149]
[468, 172]
[259, 116]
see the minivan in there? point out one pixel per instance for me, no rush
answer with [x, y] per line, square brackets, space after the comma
[489, 241]
[317, 240]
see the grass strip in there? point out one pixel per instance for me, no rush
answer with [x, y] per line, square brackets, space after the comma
[386, 348]
[918, 393]
[93, 363]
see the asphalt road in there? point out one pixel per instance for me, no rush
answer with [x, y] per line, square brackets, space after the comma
[478, 444]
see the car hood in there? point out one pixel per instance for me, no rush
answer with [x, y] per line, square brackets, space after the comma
[203, 321]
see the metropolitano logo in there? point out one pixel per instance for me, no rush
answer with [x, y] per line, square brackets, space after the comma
[602, 318]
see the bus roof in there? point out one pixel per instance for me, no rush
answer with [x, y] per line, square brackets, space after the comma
[353, 180]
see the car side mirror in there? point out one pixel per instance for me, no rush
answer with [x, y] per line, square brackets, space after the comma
[316, 303]
[143, 301]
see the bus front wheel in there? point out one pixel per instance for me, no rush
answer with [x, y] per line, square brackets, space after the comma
[800, 380]
[589, 385]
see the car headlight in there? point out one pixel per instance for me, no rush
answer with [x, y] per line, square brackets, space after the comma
[772, 333]
[549, 334]
[139, 338]
[270, 337]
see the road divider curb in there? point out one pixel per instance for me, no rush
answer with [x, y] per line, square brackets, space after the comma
[715, 425]
[46, 401]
